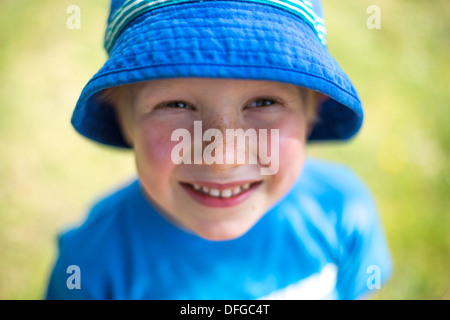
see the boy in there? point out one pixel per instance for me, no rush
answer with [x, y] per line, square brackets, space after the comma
[218, 99]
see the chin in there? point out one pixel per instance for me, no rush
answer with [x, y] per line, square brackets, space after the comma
[222, 231]
[220, 236]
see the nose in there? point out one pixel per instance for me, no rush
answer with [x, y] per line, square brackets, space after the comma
[226, 143]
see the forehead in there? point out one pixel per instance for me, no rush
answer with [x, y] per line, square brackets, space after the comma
[213, 86]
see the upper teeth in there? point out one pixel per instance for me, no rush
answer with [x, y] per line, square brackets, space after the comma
[224, 193]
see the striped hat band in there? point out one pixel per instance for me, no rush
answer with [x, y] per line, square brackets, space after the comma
[131, 9]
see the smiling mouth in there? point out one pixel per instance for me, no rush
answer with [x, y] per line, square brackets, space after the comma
[220, 195]
[222, 192]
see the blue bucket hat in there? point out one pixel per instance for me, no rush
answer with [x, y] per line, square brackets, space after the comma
[276, 40]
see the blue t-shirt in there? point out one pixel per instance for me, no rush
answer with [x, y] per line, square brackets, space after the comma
[322, 240]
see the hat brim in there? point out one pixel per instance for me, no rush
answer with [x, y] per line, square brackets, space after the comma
[221, 39]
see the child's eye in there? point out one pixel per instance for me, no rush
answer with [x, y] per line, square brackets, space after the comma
[175, 105]
[261, 103]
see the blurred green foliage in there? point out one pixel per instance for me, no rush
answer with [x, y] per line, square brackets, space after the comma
[50, 175]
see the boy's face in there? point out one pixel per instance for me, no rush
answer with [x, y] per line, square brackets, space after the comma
[217, 201]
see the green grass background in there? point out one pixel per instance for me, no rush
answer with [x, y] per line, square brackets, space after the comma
[49, 175]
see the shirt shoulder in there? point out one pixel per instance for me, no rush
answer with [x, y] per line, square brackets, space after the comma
[337, 190]
[323, 177]
[92, 245]
[340, 206]
[333, 195]
[104, 213]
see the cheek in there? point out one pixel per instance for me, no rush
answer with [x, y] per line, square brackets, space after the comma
[153, 147]
[155, 139]
[292, 143]
[291, 156]
[292, 131]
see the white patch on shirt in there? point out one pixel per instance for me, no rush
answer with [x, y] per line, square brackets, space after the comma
[315, 287]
